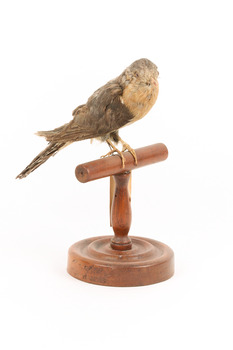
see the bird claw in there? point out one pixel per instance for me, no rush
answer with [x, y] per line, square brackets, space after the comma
[126, 147]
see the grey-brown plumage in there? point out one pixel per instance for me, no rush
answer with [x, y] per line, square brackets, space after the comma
[121, 101]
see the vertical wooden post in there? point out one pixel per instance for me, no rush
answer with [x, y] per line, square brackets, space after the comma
[121, 213]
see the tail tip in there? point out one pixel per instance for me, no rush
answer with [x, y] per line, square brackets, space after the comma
[39, 133]
[20, 176]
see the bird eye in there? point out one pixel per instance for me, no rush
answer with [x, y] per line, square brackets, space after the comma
[148, 84]
[136, 74]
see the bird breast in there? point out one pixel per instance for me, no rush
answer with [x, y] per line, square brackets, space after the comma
[140, 99]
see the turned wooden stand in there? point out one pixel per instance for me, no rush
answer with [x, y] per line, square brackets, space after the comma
[120, 260]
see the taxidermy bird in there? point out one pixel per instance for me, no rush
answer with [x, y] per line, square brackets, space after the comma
[120, 102]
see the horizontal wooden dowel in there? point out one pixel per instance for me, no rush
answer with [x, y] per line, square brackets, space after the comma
[104, 167]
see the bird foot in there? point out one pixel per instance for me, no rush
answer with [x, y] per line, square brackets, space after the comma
[116, 150]
[125, 147]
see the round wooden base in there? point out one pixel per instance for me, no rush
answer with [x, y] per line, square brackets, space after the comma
[93, 260]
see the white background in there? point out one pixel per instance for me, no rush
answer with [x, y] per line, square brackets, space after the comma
[54, 54]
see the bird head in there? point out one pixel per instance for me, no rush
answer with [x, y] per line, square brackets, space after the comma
[140, 73]
[140, 87]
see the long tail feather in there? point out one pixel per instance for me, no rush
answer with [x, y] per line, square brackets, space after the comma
[49, 151]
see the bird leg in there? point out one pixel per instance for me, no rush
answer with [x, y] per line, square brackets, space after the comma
[126, 147]
[114, 149]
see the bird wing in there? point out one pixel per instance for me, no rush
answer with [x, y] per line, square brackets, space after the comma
[106, 109]
[103, 113]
